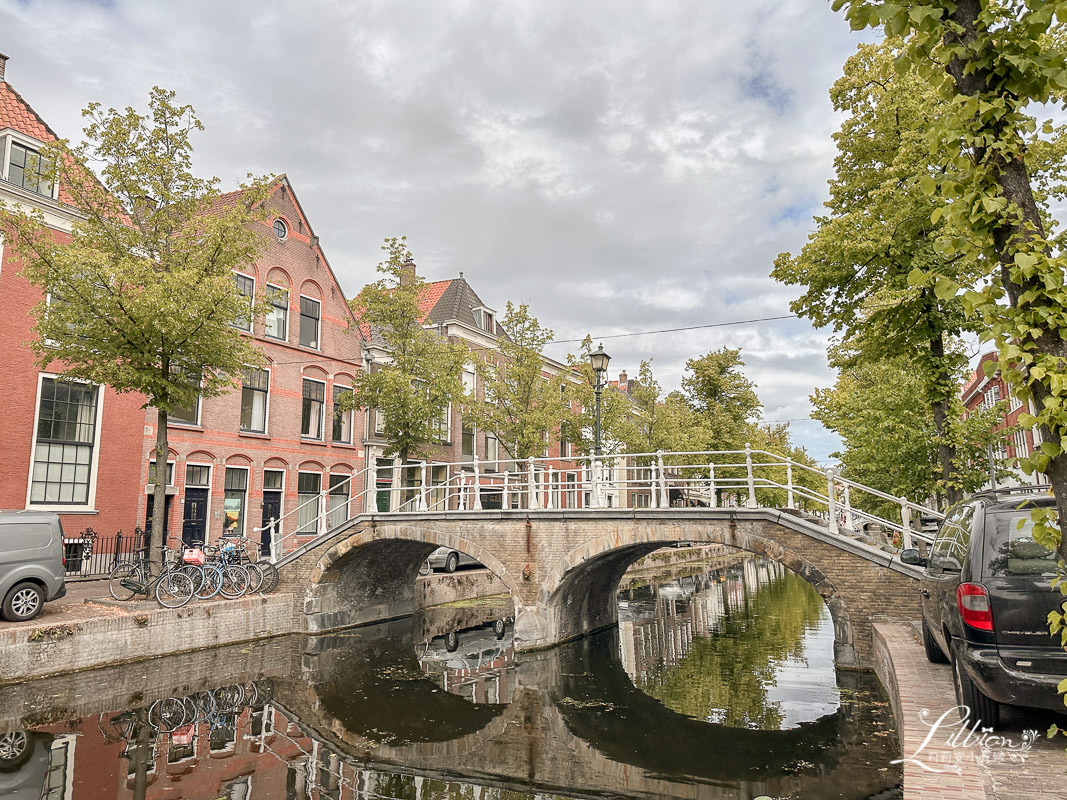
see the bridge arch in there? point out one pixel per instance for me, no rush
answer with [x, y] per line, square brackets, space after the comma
[369, 575]
[578, 595]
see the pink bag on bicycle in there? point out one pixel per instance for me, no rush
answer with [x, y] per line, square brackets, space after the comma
[193, 555]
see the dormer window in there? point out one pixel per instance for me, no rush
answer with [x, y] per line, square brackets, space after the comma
[28, 170]
[486, 319]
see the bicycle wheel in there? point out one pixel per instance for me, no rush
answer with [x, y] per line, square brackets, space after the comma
[174, 590]
[270, 576]
[234, 581]
[255, 577]
[167, 714]
[212, 582]
[123, 578]
[196, 575]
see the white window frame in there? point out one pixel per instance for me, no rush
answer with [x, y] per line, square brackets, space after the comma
[31, 143]
[351, 414]
[319, 509]
[248, 495]
[251, 303]
[172, 467]
[318, 332]
[322, 411]
[266, 409]
[330, 495]
[288, 309]
[90, 504]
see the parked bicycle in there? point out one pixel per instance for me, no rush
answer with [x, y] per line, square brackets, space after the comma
[172, 587]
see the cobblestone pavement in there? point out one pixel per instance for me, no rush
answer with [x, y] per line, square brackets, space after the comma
[984, 771]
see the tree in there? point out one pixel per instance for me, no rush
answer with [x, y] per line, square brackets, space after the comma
[855, 266]
[890, 434]
[722, 397]
[521, 403]
[660, 423]
[143, 296]
[414, 389]
[990, 61]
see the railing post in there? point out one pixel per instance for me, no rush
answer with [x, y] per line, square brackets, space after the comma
[548, 485]
[751, 477]
[905, 521]
[789, 502]
[422, 488]
[505, 494]
[594, 482]
[665, 498]
[320, 523]
[530, 487]
[274, 548]
[118, 549]
[849, 521]
[831, 501]
[477, 484]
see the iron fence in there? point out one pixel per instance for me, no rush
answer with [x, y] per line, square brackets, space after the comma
[93, 555]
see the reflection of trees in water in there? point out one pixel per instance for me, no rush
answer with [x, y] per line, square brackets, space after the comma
[725, 676]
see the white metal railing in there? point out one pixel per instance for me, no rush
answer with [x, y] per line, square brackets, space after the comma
[698, 479]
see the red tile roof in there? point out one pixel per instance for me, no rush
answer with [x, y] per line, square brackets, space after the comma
[16, 113]
[431, 293]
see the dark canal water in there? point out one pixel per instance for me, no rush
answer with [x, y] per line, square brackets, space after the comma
[718, 683]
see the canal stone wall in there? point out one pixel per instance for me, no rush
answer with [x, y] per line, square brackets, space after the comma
[30, 651]
[562, 568]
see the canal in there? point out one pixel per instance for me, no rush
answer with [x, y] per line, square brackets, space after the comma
[718, 682]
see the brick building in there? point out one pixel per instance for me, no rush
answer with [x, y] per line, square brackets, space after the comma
[262, 451]
[455, 311]
[68, 447]
[980, 393]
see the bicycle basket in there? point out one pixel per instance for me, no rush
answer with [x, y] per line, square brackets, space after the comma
[193, 555]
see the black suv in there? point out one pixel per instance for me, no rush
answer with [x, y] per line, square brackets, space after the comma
[986, 595]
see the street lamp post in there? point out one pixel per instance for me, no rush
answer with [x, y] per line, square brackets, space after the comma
[598, 359]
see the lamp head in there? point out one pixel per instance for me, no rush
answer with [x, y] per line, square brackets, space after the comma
[598, 359]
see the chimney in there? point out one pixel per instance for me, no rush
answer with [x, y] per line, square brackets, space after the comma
[407, 273]
[622, 378]
[3, 65]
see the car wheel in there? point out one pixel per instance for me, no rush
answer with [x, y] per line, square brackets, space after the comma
[452, 642]
[498, 628]
[452, 562]
[23, 602]
[933, 652]
[15, 750]
[983, 710]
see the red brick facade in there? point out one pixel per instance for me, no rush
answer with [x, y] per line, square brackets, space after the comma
[111, 500]
[297, 265]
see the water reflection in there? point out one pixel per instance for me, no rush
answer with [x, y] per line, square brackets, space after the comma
[710, 698]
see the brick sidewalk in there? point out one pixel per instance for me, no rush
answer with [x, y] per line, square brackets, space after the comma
[915, 685]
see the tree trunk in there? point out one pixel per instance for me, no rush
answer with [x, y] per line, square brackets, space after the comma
[159, 491]
[1013, 179]
[941, 405]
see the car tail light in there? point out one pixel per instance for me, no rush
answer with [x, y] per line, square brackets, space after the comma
[973, 600]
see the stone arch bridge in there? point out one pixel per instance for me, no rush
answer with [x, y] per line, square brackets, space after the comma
[562, 567]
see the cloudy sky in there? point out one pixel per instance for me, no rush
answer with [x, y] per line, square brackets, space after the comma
[620, 166]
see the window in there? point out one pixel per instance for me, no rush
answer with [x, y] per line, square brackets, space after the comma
[187, 414]
[564, 448]
[308, 487]
[338, 500]
[63, 451]
[309, 322]
[1021, 450]
[379, 421]
[485, 320]
[281, 230]
[247, 287]
[1014, 403]
[27, 169]
[234, 501]
[311, 412]
[442, 426]
[152, 472]
[254, 400]
[468, 441]
[197, 475]
[492, 450]
[276, 323]
[470, 382]
[342, 420]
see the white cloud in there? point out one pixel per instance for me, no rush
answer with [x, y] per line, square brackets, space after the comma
[619, 167]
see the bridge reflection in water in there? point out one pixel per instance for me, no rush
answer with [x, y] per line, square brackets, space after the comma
[722, 691]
